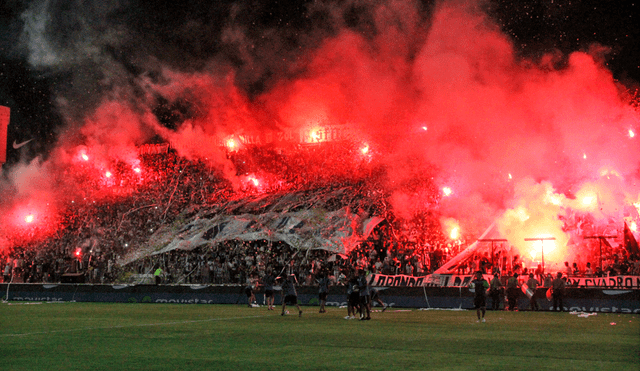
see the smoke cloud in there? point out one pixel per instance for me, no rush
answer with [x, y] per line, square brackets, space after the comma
[438, 92]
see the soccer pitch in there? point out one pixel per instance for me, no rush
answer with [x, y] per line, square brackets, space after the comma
[94, 336]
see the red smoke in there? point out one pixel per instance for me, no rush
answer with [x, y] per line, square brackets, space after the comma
[445, 102]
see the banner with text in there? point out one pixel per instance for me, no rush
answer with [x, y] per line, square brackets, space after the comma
[617, 282]
[447, 280]
[396, 281]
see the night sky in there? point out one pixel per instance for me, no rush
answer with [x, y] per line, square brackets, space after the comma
[58, 58]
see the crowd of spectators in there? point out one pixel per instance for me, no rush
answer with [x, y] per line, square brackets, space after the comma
[615, 262]
[230, 262]
[235, 262]
[109, 218]
[112, 220]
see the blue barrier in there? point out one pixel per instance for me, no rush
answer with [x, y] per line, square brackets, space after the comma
[578, 299]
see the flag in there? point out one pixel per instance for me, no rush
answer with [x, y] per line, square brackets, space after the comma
[605, 242]
[4, 125]
[630, 242]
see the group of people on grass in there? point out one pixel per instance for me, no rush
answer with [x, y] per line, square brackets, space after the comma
[496, 290]
[359, 294]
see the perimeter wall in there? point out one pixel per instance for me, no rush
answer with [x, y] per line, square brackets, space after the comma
[576, 299]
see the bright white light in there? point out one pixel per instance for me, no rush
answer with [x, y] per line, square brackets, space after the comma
[588, 200]
[447, 191]
[253, 180]
[522, 214]
[540, 247]
[231, 144]
[455, 233]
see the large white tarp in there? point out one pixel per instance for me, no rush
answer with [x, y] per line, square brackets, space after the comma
[337, 231]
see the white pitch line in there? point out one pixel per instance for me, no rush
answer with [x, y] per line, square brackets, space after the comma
[124, 326]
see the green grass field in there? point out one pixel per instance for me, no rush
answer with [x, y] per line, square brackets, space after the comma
[92, 336]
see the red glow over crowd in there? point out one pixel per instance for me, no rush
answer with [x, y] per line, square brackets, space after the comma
[441, 128]
[111, 220]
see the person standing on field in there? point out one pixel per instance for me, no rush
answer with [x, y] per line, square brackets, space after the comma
[496, 291]
[353, 297]
[365, 298]
[557, 293]
[323, 291]
[533, 285]
[269, 281]
[249, 291]
[290, 294]
[513, 291]
[480, 285]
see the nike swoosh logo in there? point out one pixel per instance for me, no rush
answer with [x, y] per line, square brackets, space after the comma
[18, 145]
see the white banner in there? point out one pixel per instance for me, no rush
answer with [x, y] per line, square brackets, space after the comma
[616, 282]
[452, 280]
[335, 231]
